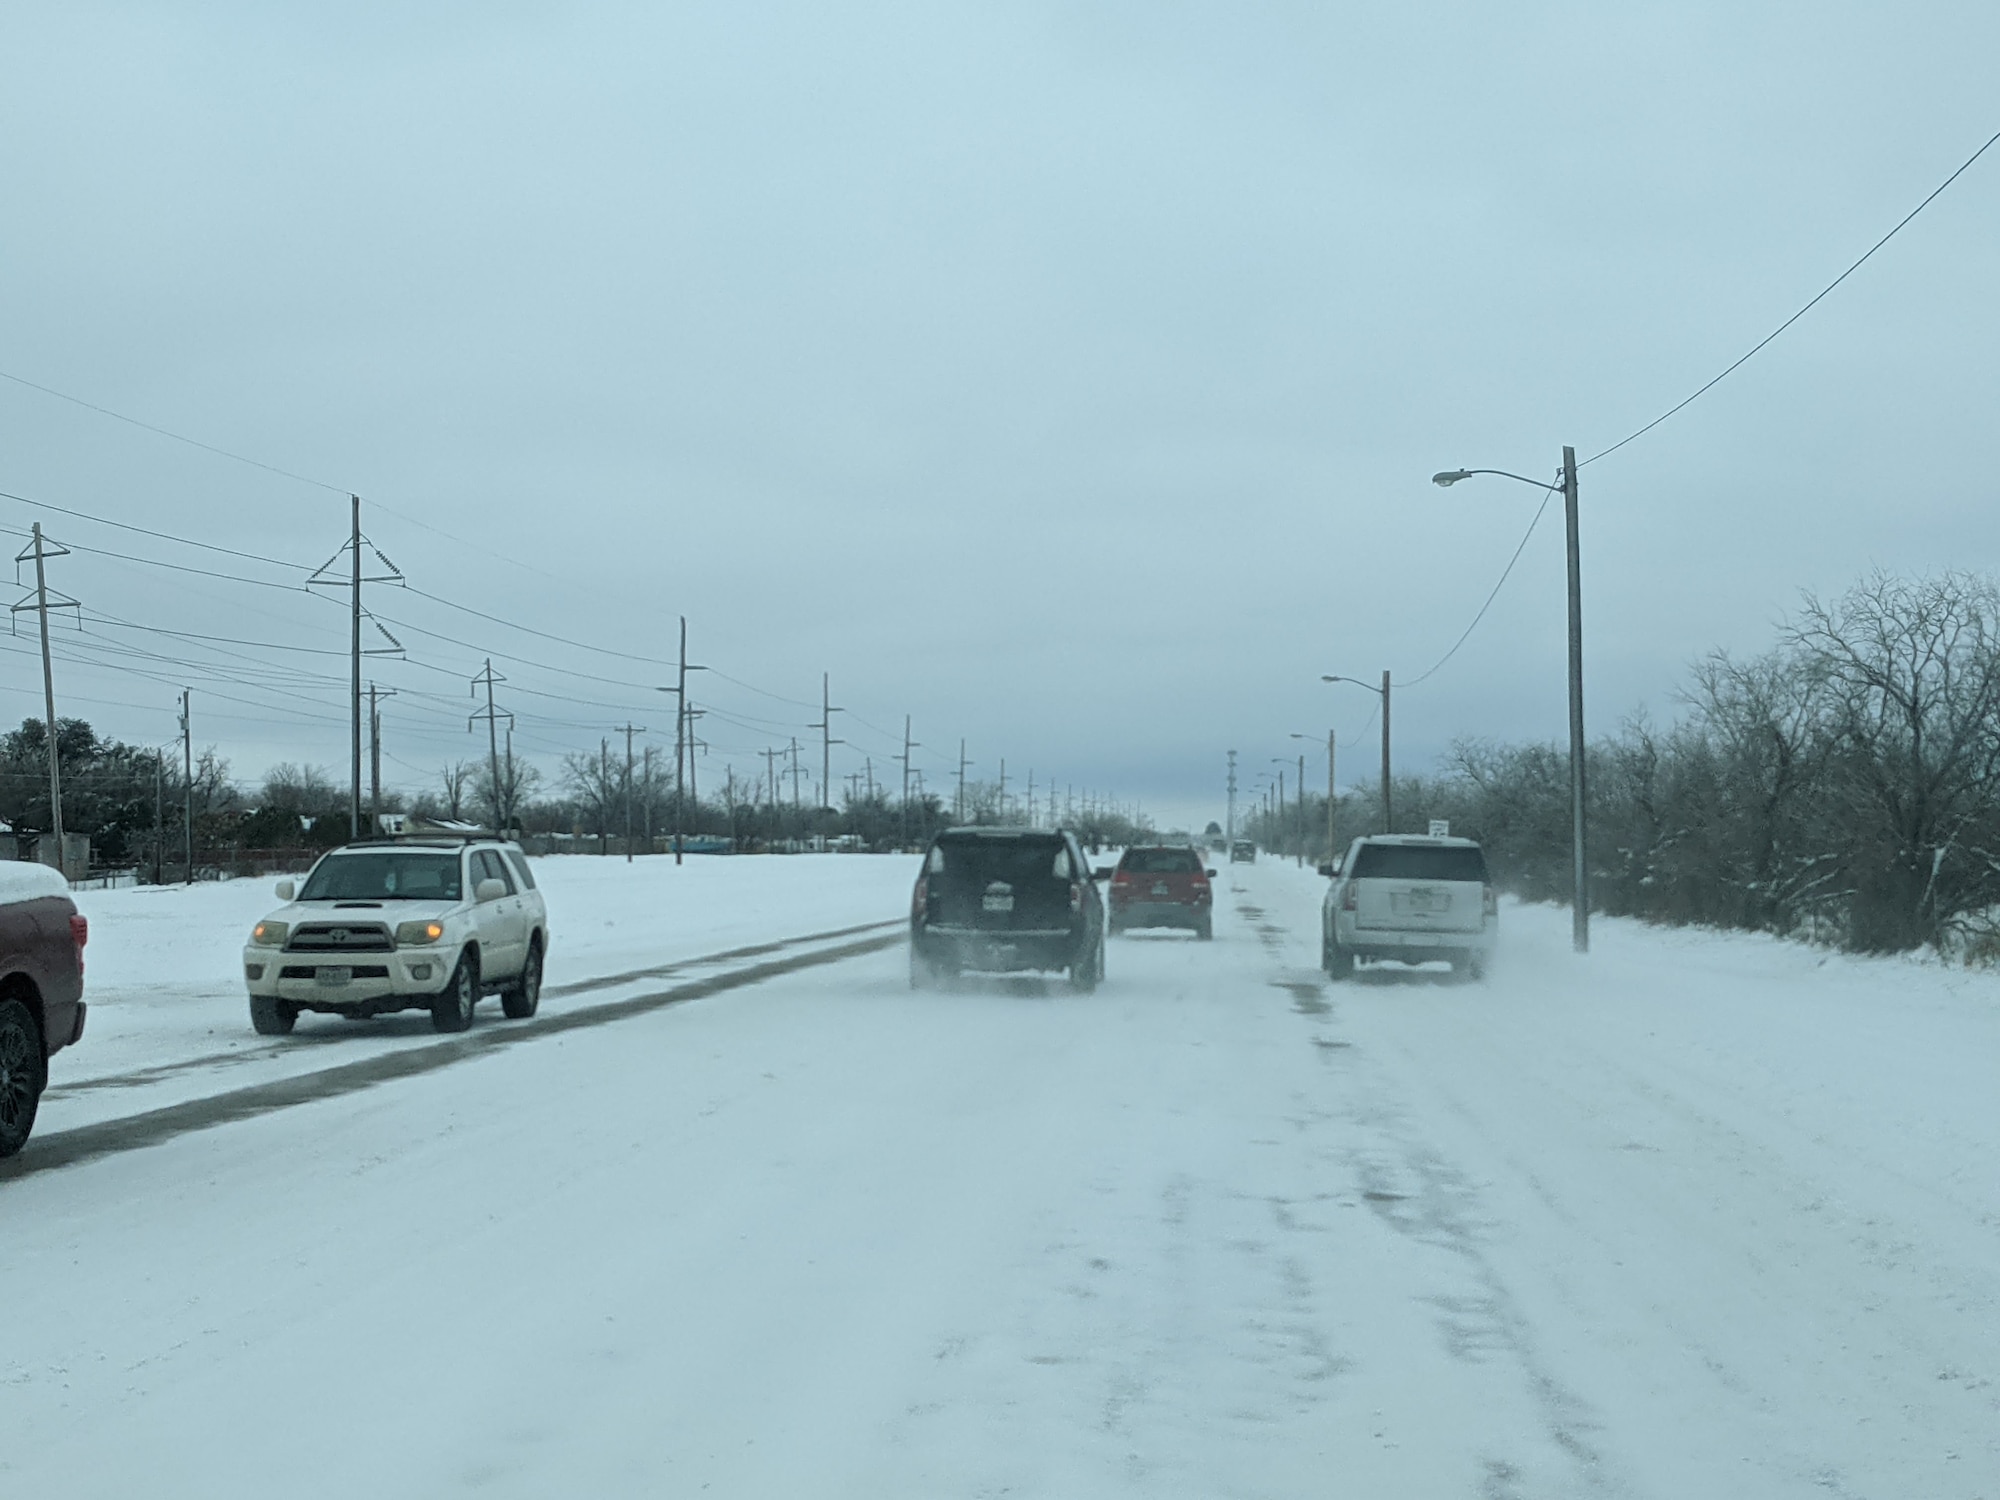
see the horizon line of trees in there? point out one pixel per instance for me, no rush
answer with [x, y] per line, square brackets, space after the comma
[1843, 786]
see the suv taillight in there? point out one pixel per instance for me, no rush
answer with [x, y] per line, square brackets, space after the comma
[1076, 895]
[1350, 898]
[920, 902]
[79, 933]
[1491, 904]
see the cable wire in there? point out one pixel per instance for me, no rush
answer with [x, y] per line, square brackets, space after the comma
[1504, 574]
[1801, 312]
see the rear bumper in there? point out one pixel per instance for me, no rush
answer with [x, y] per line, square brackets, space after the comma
[1160, 914]
[1414, 944]
[998, 952]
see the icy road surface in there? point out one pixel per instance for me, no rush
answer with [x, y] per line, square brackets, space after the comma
[1700, 1216]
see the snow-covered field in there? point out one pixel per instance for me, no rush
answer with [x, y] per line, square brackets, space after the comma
[1699, 1215]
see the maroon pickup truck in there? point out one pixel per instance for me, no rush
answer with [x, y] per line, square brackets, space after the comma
[41, 989]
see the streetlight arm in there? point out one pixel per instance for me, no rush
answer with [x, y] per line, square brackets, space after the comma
[1451, 477]
[1355, 680]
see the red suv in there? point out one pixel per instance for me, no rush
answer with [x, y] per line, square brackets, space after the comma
[1162, 885]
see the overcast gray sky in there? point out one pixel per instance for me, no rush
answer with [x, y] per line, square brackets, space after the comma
[1068, 376]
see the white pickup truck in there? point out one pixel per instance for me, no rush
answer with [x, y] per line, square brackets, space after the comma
[401, 924]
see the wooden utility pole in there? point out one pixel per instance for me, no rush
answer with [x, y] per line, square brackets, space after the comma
[40, 549]
[187, 777]
[1578, 803]
[958, 814]
[628, 730]
[1332, 849]
[1388, 812]
[1302, 811]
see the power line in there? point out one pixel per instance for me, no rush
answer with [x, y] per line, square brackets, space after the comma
[1504, 572]
[1802, 311]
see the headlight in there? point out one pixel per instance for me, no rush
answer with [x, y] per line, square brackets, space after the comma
[418, 934]
[270, 934]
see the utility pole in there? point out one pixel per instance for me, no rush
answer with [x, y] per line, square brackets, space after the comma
[1231, 815]
[40, 549]
[771, 777]
[1302, 812]
[958, 814]
[492, 716]
[683, 728]
[1332, 849]
[1031, 796]
[375, 696]
[187, 778]
[628, 730]
[826, 739]
[794, 752]
[1388, 814]
[646, 780]
[1578, 803]
[354, 577]
[1002, 813]
[159, 814]
[908, 745]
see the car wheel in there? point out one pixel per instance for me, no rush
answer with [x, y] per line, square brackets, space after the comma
[451, 1010]
[23, 1070]
[272, 1017]
[520, 999]
[1205, 930]
[1475, 967]
[1339, 962]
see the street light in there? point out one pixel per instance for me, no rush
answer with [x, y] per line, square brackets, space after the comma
[1579, 865]
[1332, 850]
[1388, 811]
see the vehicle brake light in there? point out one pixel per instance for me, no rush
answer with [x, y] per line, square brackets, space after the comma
[1491, 902]
[921, 901]
[1121, 876]
[79, 933]
[1075, 896]
[1350, 899]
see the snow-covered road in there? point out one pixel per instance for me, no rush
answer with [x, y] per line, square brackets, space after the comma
[1697, 1216]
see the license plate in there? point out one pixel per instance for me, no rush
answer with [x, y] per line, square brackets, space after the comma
[1424, 901]
[1162, 889]
[327, 974]
[999, 903]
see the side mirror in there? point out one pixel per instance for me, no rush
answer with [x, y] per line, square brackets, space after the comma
[286, 890]
[1102, 872]
[489, 890]
[1211, 874]
[1329, 871]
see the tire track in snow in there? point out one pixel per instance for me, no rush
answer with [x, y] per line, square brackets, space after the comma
[141, 1077]
[156, 1126]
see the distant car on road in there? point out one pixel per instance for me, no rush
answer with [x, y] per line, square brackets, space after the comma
[401, 924]
[1412, 899]
[1243, 852]
[1004, 900]
[41, 989]
[1162, 885]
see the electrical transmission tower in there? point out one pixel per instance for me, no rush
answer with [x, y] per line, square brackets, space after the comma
[40, 550]
[328, 574]
[826, 741]
[628, 730]
[908, 745]
[489, 679]
[375, 696]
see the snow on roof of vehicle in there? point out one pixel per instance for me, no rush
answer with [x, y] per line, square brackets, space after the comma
[23, 880]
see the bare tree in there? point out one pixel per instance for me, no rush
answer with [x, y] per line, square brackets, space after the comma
[457, 778]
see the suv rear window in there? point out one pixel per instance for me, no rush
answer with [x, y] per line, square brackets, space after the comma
[1419, 862]
[1015, 861]
[1160, 861]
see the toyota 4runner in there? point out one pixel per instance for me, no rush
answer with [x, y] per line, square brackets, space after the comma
[401, 925]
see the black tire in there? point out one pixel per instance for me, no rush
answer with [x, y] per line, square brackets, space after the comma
[23, 1071]
[1205, 932]
[521, 998]
[272, 1017]
[1339, 962]
[451, 1009]
[1474, 970]
[1085, 977]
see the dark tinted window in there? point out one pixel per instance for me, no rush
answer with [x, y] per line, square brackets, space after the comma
[384, 877]
[1161, 861]
[1016, 861]
[1418, 862]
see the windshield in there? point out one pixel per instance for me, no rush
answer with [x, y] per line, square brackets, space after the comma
[384, 875]
[1161, 861]
[1419, 862]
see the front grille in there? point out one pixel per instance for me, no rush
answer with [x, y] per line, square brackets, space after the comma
[358, 971]
[341, 937]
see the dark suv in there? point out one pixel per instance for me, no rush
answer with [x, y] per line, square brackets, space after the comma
[1162, 885]
[1003, 900]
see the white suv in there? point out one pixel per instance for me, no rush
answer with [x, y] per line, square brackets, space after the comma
[401, 925]
[1405, 897]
